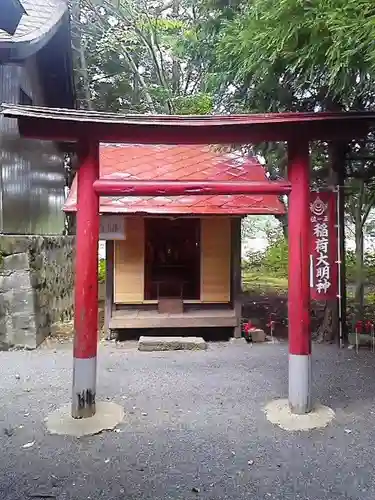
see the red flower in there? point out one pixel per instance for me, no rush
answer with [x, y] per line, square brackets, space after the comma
[369, 326]
[248, 327]
[359, 326]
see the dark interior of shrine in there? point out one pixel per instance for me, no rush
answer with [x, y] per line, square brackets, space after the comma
[172, 258]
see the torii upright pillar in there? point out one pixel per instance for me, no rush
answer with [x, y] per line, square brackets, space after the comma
[299, 277]
[86, 283]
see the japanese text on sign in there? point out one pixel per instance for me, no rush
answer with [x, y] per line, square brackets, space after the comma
[322, 267]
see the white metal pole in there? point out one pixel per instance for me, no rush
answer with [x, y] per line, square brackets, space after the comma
[339, 261]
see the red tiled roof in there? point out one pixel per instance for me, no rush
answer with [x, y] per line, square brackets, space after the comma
[140, 162]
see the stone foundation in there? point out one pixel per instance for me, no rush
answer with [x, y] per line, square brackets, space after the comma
[36, 287]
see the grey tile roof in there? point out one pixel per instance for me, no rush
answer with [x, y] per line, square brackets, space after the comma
[40, 21]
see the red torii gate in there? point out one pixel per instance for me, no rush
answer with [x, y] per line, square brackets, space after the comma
[88, 129]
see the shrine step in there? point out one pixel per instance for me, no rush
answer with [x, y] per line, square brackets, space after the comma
[171, 344]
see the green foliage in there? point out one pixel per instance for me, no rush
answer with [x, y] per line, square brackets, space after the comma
[198, 104]
[101, 270]
[370, 298]
[317, 40]
[368, 267]
[299, 55]
[139, 57]
[276, 257]
[272, 261]
[261, 226]
[162, 25]
[350, 265]
[263, 283]
[293, 51]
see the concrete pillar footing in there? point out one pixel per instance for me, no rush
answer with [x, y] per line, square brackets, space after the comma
[108, 415]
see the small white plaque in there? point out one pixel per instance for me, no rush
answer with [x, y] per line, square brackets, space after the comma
[112, 227]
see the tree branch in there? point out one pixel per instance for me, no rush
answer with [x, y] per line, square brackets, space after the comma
[125, 54]
[367, 211]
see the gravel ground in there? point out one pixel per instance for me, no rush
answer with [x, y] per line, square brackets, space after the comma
[194, 427]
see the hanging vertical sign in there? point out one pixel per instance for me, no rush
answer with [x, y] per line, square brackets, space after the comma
[323, 255]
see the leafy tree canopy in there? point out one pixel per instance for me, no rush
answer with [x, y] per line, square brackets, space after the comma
[306, 53]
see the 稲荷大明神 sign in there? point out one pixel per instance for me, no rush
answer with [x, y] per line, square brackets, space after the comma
[323, 254]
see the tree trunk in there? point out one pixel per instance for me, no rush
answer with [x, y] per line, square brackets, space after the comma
[79, 57]
[326, 331]
[87, 103]
[135, 94]
[175, 62]
[342, 248]
[360, 287]
[359, 250]
[329, 328]
[283, 219]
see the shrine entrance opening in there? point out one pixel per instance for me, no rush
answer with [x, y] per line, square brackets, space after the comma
[172, 258]
[88, 129]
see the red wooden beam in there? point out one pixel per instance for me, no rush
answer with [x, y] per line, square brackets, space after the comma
[185, 133]
[118, 187]
[74, 125]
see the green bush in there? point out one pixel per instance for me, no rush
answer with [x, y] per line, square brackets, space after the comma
[350, 265]
[276, 257]
[101, 271]
[272, 261]
[253, 261]
[368, 267]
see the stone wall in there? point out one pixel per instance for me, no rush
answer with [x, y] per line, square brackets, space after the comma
[36, 287]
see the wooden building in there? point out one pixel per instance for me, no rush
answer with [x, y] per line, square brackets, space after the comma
[35, 70]
[177, 262]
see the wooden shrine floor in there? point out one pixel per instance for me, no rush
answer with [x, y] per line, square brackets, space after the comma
[188, 319]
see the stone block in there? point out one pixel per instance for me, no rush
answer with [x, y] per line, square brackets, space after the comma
[258, 335]
[23, 321]
[14, 244]
[19, 280]
[171, 343]
[36, 287]
[238, 341]
[5, 303]
[16, 262]
[37, 262]
[3, 328]
[22, 301]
